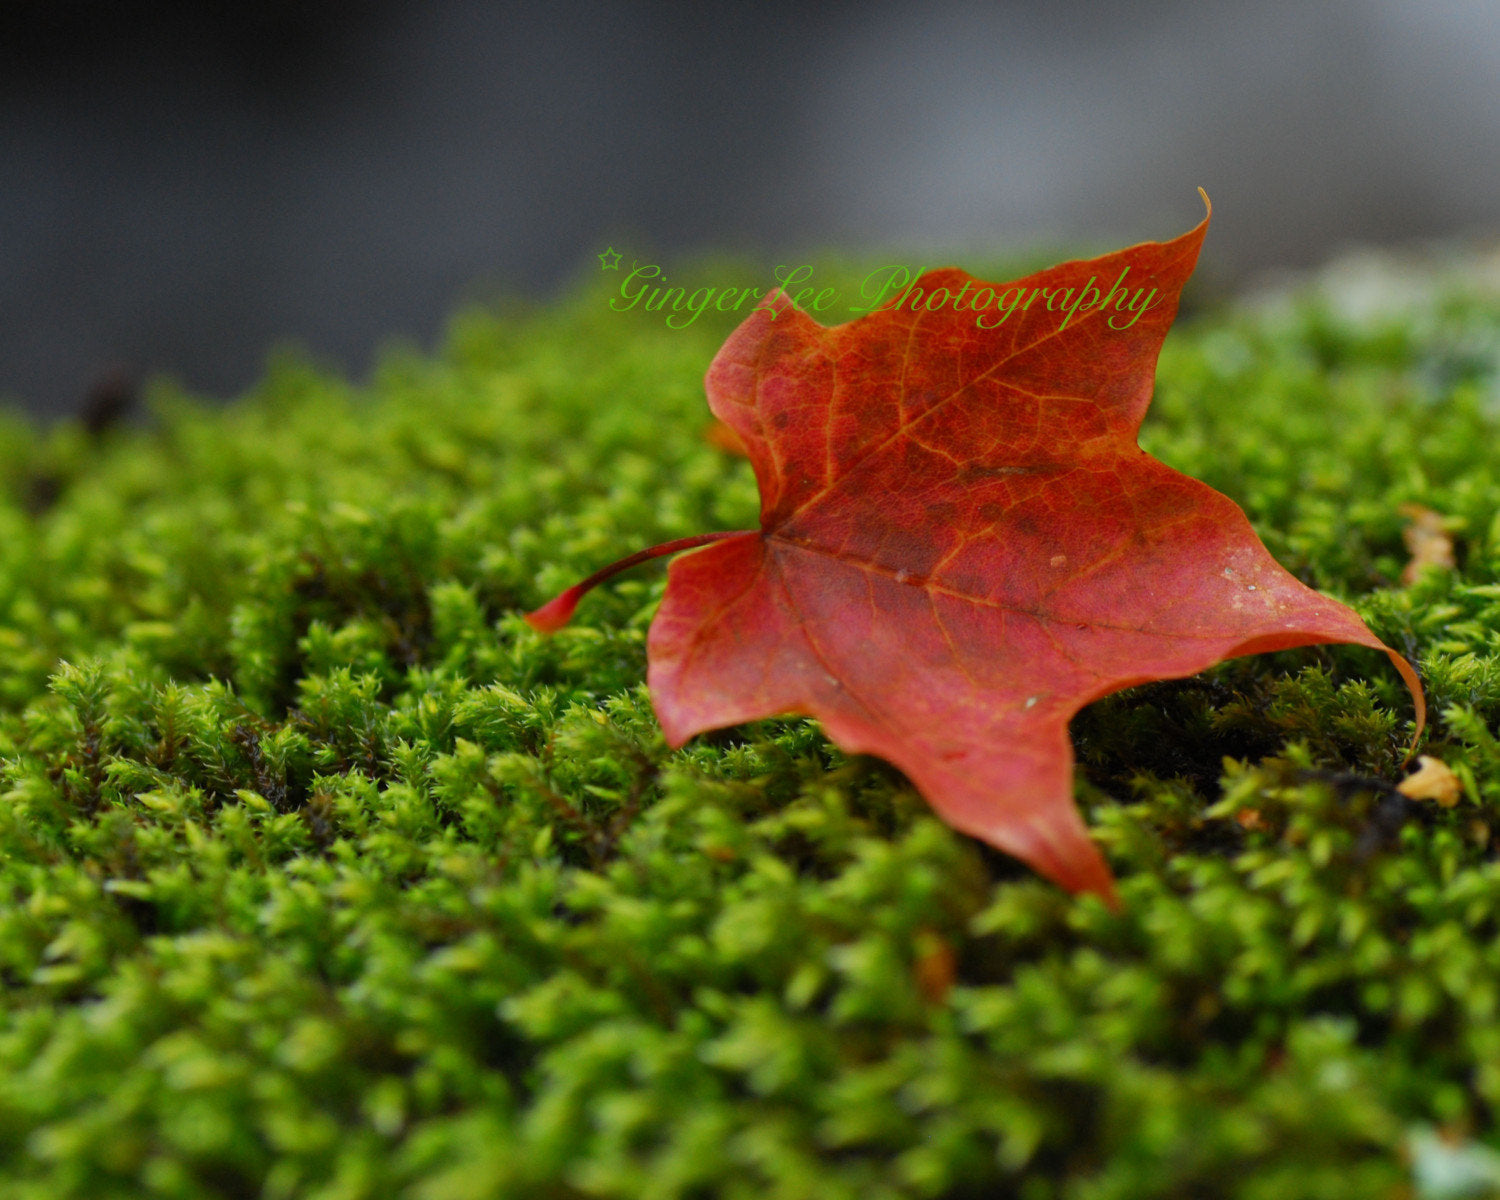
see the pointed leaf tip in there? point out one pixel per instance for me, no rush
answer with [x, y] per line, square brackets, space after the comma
[1413, 683]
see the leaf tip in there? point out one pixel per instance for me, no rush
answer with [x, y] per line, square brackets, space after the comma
[1092, 879]
[1413, 683]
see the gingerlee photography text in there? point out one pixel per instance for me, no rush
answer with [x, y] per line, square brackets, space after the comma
[644, 288]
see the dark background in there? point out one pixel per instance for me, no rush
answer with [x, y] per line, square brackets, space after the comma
[179, 194]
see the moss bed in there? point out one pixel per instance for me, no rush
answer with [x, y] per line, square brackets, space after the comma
[322, 875]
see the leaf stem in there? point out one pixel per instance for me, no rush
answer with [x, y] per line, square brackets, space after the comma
[558, 611]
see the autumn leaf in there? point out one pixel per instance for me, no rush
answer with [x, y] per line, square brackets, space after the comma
[1432, 780]
[961, 543]
[1427, 540]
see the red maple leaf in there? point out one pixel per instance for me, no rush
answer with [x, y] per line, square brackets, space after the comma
[961, 543]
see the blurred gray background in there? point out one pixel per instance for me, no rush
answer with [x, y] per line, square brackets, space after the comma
[180, 193]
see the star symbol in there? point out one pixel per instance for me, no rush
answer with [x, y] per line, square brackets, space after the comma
[609, 260]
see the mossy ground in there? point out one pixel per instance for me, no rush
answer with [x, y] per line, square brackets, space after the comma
[324, 876]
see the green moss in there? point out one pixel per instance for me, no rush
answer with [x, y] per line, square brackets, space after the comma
[321, 875]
